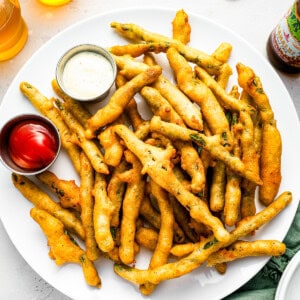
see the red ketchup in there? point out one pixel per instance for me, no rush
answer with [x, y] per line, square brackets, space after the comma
[32, 145]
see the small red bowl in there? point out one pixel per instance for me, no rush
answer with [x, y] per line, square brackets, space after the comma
[42, 138]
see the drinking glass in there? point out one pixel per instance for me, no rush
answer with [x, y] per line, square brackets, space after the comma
[13, 29]
[54, 2]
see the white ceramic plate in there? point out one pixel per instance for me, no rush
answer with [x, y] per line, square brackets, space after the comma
[203, 282]
[288, 287]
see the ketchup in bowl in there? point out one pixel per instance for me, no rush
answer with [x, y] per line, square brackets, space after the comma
[29, 143]
[32, 145]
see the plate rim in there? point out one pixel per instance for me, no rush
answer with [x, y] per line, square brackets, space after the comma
[286, 276]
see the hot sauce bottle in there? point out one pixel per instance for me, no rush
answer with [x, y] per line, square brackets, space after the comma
[283, 47]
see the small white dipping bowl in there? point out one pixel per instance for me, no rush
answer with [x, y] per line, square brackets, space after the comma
[86, 73]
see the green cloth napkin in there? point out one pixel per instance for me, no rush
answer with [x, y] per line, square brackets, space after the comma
[263, 285]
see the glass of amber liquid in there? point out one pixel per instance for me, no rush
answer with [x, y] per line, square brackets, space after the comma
[13, 30]
[55, 2]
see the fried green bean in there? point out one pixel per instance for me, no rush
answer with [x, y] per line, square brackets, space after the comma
[162, 173]
[204, 249]
[119, 100]
[87, 181]
[91, 149]
[212, 144]
[198, 92]
[62, 248]
[135, 32]
[131, 206]
[165, 236]
[103, 210]
[41, 200]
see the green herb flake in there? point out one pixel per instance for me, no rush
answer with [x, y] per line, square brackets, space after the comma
[234, 119]
[61, 193]
[229, 116]
[199, 150]
[210, 243]
[113, 231]
[59, 104]
[71, 238]
[121, 267]
[260, 91]
[224, 136]
[198, 139]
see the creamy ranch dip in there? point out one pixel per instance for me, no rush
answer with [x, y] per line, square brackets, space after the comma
[87, 75]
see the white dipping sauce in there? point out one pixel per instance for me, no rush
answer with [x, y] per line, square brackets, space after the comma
[87, 75]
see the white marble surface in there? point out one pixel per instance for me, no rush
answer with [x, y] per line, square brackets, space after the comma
[253, 20]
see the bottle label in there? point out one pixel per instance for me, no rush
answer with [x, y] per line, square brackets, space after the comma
[294, 23]
[286, 39]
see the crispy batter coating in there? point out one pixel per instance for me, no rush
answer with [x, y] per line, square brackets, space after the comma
[135, 50]
[136, 32]
[204, 248]
[87, 181]
[271, 151]
[62, 248]
[162, 173]
[66, 190]
[240, 249]
[120, 99]
[165, 236]
[41, 200]
[210, 143]
[91, 149]
[181, 27]
[103, 210]
[131, 206]
[200, 94]
[270, 163]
